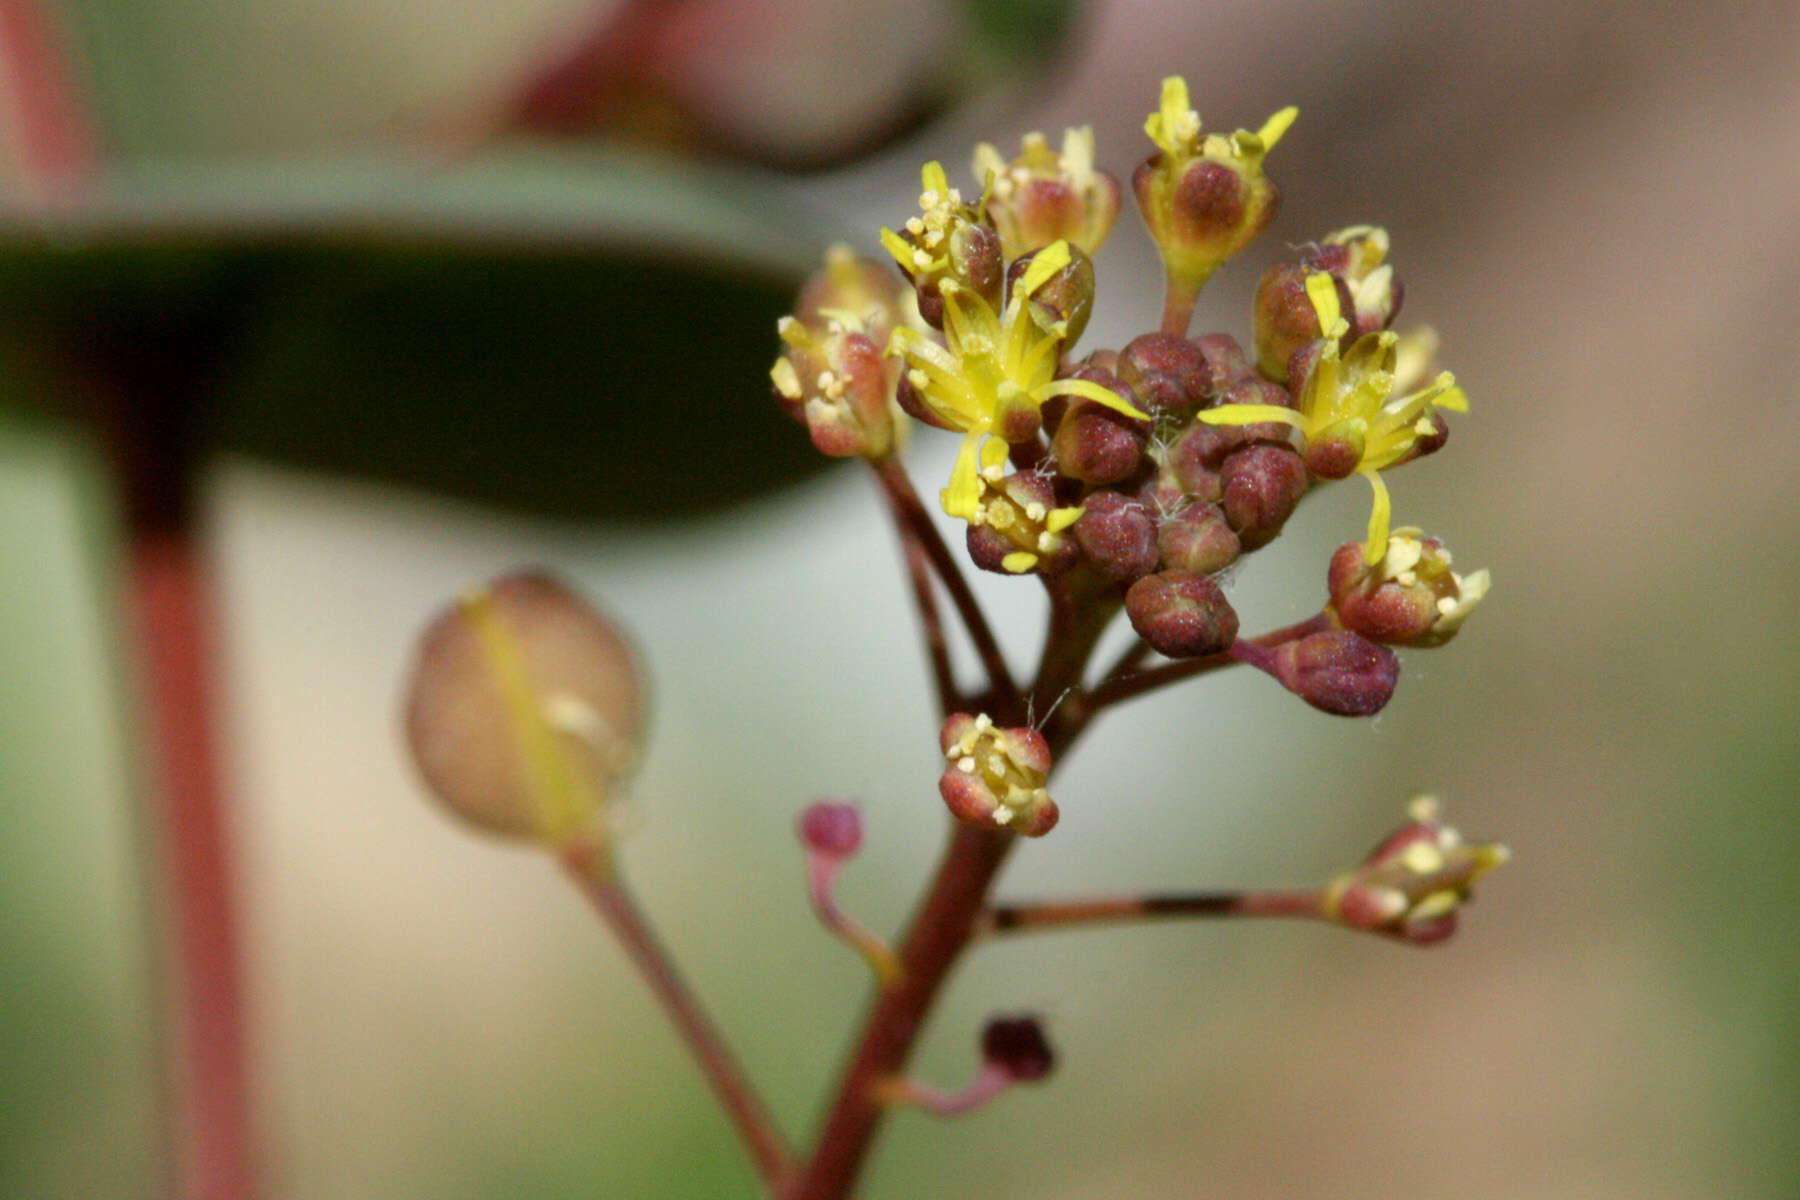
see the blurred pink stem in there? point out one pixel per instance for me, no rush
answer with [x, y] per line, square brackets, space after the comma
[591, 869]
[988, 1083]
[52, 143]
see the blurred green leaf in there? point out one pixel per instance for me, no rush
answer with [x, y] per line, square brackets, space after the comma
[574, 338]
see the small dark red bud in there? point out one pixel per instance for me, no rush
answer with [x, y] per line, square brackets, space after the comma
[1338, 672]
[1181, 614]
[1284, 318]
[1118, 535]
[831, 828]
[1262, 485]
[1167, 371]
[1098, 445]
[1223, 362]
[1197, 539]
[1197, 456]
[1017, 1046]
[1334, 457]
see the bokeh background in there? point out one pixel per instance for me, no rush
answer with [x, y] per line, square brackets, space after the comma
[1593, 203]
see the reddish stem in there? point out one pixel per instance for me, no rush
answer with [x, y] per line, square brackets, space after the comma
[592, 872]
[172, 623]
[53, 144]
[940, 930]
[910, 515]
[1026, 915]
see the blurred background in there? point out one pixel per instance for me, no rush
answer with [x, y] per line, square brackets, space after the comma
[430, 292]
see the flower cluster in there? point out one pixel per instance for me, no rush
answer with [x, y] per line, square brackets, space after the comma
[1132, 477]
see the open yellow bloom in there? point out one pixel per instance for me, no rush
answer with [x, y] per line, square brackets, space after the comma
[991, 375]
[1347, 415]
[1204, 196]
[1041, 195]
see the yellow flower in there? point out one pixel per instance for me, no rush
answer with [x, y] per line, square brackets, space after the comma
[1347, 415]
[1204, 196]
[948, 242]
[1407, 594]
[1413, 884]
[1041, 195]
[991, 375]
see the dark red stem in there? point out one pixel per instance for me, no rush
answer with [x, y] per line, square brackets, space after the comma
[940, 930]
[1026, 915]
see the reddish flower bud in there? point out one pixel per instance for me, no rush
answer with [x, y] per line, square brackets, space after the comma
[949, 239]
[836, 381]
[1098, 445]
[1197, 539]
[1117, 534]
[832, 829]
[1336, 671]
[996, 777]
[1285, 317]
[1181, 614]
[1041, 196]
[1262, 484]
[1168, 373]
[1204, 198]
[1017, 1046]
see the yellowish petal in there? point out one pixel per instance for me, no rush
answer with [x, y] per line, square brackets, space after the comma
[963, 496]
[1251, 414]
[1087, 389]
[1277, 125]
[1321, 289]
[1019, 561]
[1379, 519]
[1047, 263]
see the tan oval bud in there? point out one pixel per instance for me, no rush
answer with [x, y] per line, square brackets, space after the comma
[524, 709]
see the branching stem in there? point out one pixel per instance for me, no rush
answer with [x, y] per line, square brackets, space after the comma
[911, 517]
[1023, 916]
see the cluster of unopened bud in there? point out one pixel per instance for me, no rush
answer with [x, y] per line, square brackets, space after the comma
[996, 777]
[1412, 884]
